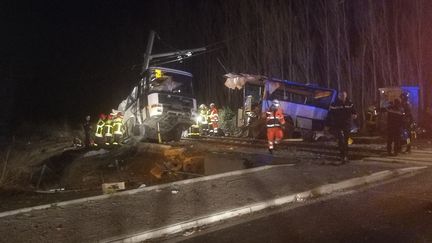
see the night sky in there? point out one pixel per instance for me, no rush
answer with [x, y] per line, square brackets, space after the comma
[61, 60]
[66, 59]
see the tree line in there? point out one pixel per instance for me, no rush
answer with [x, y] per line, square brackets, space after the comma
[358, 45]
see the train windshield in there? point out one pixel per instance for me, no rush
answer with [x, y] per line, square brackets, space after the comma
[170, 82]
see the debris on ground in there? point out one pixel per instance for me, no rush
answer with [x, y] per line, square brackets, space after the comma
[95, 152]
[108, 188]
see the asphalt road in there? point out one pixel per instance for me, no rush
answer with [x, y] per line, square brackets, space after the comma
[397, 211]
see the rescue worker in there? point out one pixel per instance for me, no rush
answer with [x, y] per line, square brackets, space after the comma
[394, 127]
[203, 119]
[407, 118]
[275, 121]
[118, 128]
[99, 134]
[340, 118]
[108, 129]
[214, 118]
[87, 132]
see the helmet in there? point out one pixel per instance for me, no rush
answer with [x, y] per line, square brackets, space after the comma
[202, 106]
[275, 103]
[212, 104]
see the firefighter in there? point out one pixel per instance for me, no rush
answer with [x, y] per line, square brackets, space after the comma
[275, 121]
[108, 129]
[407, 119]
[394, 127]
[214, 118]
[203, 119]
[118, 128]
[99, 134]
[340, 117]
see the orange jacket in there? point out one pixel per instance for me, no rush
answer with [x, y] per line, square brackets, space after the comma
[275, 118]
[214, 116]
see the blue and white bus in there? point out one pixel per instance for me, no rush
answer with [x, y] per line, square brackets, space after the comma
[305, 106]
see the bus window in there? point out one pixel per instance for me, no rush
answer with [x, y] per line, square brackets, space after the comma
[321, 99]
[298, 99]
[254, 91]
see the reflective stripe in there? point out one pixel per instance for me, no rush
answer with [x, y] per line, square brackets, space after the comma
[99, 128]
[273, 125]
[118, 128]
[396, 112]
[341, 107]
[108, 130]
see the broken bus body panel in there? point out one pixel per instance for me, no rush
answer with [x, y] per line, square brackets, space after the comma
[161, 104]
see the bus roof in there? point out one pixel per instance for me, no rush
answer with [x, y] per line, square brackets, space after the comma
[292, 83]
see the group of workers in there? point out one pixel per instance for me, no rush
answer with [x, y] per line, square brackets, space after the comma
[208, 120]
[109, 129]
[400, 124]
[340, 119]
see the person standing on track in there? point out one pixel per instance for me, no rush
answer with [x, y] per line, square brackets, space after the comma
[214, 118]
[275, 121]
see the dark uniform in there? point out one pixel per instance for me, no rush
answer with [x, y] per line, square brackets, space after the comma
[407, 117]
[340, 119]
[394, 127]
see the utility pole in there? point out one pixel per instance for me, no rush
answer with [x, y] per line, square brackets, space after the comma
[179, 55]
[147, 54]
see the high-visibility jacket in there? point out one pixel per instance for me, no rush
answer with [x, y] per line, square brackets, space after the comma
[275, 118]
[99, 128]
[203, 116]
[118, 126]
[214, 116]
[108, 127]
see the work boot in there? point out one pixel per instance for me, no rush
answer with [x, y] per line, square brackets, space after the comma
[270, 151]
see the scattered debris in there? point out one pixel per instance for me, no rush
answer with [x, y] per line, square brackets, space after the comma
[51, 190]
[95, 152]
[108, 188]
[174, 191]
[189, 232]
[157, 172]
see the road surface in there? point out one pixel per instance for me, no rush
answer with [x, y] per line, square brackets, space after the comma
[397, 211]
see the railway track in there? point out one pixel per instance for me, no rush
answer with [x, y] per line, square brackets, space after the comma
[287, 144]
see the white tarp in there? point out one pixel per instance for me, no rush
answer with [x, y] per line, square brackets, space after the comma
[238, 81]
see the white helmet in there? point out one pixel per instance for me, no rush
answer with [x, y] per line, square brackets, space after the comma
[275, 103]
[212, 104]
[202, 106]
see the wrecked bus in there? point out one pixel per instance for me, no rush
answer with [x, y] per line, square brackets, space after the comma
[305, 106]
[161, 106]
